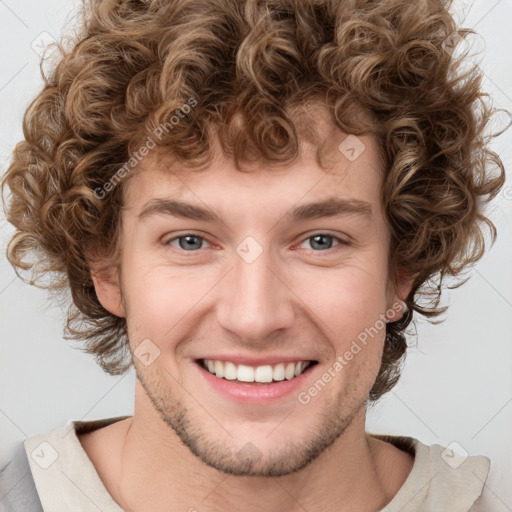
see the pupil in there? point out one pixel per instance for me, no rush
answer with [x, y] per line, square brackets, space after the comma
[189, 244]
[321, 245]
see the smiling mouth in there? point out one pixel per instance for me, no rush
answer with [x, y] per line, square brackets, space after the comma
[265, 374]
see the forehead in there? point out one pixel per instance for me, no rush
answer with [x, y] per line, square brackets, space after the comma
[331, 162]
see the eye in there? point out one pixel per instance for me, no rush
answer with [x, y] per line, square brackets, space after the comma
[188, 242]
[319, 242]
[323, 241]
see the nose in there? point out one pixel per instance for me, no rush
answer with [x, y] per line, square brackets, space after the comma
[255, 300]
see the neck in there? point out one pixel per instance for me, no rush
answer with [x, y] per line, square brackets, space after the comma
[155, 469]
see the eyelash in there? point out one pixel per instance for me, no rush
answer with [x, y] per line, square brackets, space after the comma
[341, 242]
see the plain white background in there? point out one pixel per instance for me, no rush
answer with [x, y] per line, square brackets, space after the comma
[457, 383]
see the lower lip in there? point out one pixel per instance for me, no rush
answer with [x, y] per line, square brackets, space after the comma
[255, 393]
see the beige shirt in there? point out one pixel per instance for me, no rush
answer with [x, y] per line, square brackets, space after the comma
[66, 479]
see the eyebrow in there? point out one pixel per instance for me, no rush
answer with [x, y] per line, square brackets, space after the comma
[332, 207]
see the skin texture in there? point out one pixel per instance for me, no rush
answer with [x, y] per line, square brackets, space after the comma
[295, 299]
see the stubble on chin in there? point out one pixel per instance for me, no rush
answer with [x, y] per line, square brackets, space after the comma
[219, 448]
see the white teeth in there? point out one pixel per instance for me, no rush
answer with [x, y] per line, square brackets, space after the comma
[278, 372]
[230, 372]
[244, 373]
[219, 369]
[264, 374]
[289, 373]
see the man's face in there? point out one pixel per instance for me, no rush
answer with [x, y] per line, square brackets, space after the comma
[258, 287]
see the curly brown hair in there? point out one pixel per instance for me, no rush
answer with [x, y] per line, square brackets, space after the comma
[249, 68]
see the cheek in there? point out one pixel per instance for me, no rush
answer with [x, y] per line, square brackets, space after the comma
[161, 301]
[348, 300]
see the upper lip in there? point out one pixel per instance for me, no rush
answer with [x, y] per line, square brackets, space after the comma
[256, 361]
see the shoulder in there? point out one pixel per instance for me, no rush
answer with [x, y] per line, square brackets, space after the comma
[442, 478]
[490, 500]
[18, 490]
[47, 468]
